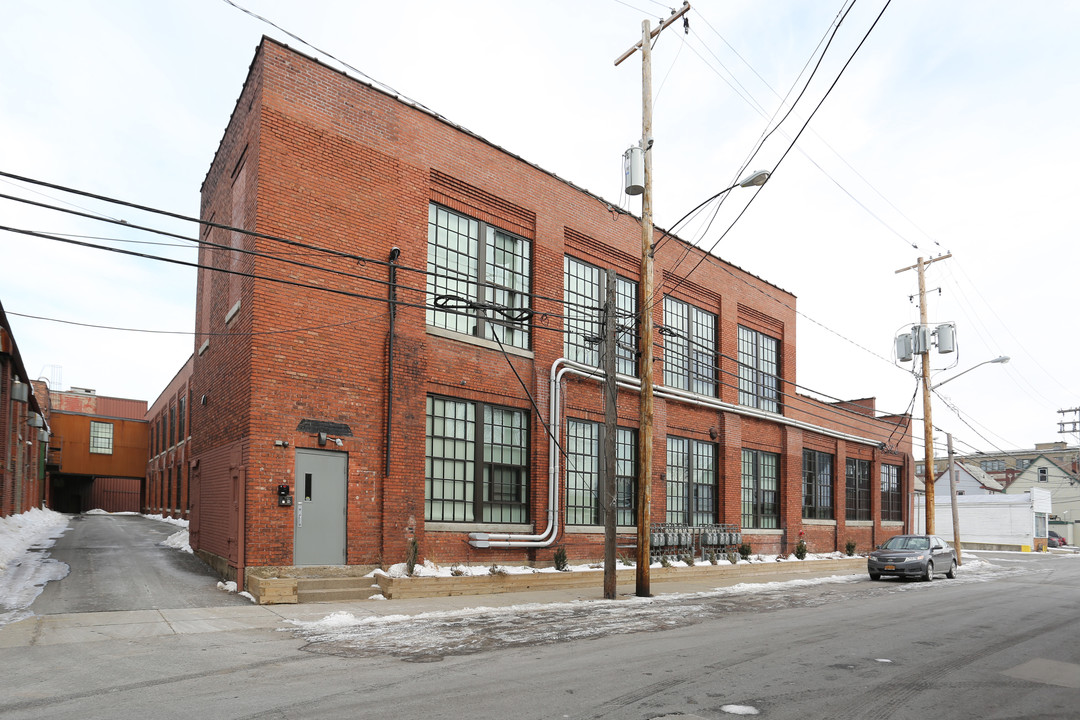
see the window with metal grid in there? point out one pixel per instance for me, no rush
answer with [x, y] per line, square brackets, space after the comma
[691, 482]
[584, 290]
[495, 271]
[760, 489]
[817, 485]
[457, 487]
[585, 474]
[101, 438]
[690, 349]
[759, 357]
[891, 498]
[858, 489]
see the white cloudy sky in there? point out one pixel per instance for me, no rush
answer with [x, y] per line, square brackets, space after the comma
[953, 129]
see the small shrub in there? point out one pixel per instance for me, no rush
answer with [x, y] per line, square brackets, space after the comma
[495, 569]
[712, 557]
[457, 571]
[560, 560]
[849, 547]
[411, 555]
[625, 560]
[664, 562]
[732, 557]
[745, 550]
[688, 558]
[800, 550]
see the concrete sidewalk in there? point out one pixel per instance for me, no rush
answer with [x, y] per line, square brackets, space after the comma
[75, 628]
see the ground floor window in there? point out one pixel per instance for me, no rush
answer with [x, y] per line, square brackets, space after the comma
[817, 485]
[585, 474]
[760, 489]
[891, 506]
[858, 489]
[476, 462]
[691, 482]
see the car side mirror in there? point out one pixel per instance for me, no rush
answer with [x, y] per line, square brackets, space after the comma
[938, 547]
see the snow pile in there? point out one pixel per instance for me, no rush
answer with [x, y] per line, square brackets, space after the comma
[24, 569]
[179, 540]
[33, 528]
[171, 520]
[739, 709]
[230, 587]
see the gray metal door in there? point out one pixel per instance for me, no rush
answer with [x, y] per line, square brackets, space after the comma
[319, 537]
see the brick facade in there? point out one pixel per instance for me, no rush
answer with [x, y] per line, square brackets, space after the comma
[318, 159]
[167, 490]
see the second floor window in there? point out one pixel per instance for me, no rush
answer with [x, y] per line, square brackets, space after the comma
[584, 291]
[101, 438]
[759, 364]
[690, 348]
[471, 261]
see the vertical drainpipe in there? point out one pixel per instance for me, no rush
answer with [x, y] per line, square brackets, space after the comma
[392, 302]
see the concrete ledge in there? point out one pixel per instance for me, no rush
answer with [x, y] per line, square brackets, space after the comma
[398, 588]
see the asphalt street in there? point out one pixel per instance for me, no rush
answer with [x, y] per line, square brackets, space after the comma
[117, 563]
[1001, 642]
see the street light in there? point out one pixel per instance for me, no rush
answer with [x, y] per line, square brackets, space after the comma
[1003, 359]
[929, 440]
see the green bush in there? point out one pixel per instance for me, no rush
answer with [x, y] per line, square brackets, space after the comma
[745, 550]
[560, 560]
[850, 547]
[732, 557]
[800, 549]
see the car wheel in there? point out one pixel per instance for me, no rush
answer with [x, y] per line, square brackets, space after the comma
[875, 576]
[929, 574]
[952, 571]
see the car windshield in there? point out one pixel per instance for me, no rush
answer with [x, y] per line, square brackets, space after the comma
[904, 542]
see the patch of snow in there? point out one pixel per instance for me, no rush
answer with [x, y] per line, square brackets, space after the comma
[247, 595]
[883, 660]
[24, 567]
[179, 540]
[229, 587]
[739, 709]
[380, 596]
[172, 521]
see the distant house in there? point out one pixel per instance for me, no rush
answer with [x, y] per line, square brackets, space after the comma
[1064, 487]
[970, 480]
[995, 521]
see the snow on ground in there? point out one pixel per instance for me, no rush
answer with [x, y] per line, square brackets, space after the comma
[24, 565]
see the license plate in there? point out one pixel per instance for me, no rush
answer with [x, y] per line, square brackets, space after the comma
[890, 567]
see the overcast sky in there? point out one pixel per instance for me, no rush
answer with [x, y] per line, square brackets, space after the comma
[953, 129]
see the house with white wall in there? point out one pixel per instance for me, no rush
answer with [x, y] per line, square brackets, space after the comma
[970, 480]
[1064, 489]
[1001, 521]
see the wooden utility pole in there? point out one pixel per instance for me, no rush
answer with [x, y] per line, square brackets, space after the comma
[928, 425]
[645, 296]
[952, 493]
[611, 391]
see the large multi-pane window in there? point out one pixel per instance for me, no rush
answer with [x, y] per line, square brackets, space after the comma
[891, 498]
[476, 462]
[101, 438]
[181, 404]
[759, 357]
[690, 349]
[585, 474]
[584, 293]
[691, 482]
[817, 501]
[472, 263]
[858, 489]
[760, 489]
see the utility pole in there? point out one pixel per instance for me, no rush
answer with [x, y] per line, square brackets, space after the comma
[928, 425]
[611, 392]
[952, 492]
[645, 294]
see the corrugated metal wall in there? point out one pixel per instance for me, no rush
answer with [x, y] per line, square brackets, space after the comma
[115, 494]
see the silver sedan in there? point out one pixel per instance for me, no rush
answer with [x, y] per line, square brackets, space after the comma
[919, 556]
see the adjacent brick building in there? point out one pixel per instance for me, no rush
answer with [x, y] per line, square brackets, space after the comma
[24, 430]
[167, 485]
[331, 426]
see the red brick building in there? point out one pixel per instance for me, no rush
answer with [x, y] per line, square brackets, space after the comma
[97, 451]
[24, 430]
[332, 426]
[169, 445]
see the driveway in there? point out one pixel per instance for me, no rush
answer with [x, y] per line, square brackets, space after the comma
[117, 563]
